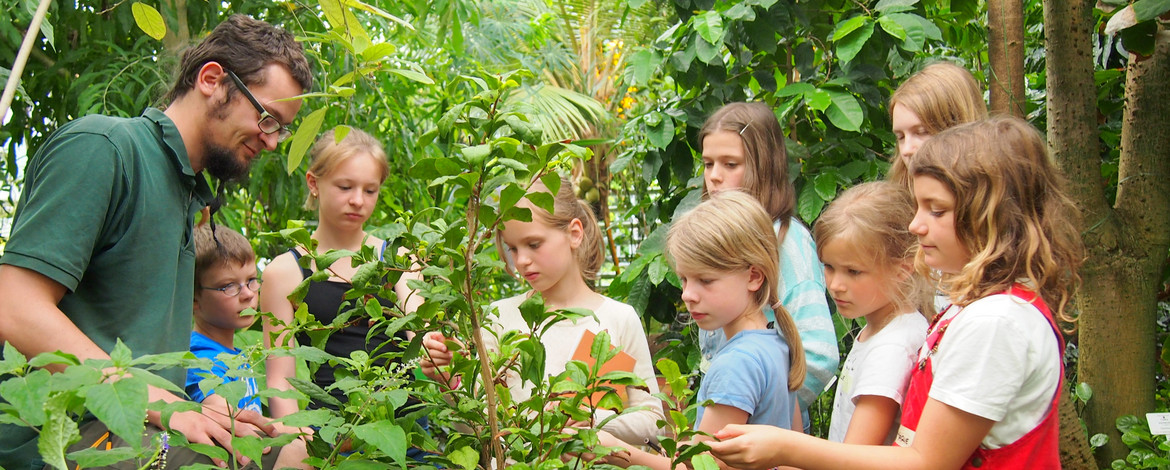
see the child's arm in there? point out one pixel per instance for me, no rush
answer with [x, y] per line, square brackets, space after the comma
[437, 355]
[715, 417]
[280, 278]
[871, 420]
[946, 437]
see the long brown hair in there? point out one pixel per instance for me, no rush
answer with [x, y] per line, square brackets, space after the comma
[1011, 211]
[566, 208]
[766, 156]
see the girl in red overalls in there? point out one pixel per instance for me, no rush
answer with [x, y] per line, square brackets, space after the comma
[995, 228]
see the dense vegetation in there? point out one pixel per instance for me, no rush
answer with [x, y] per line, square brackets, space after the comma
[474, 98]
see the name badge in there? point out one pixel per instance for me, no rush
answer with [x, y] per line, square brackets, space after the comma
[905, 437]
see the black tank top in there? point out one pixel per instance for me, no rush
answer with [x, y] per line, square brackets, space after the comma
[326, 300]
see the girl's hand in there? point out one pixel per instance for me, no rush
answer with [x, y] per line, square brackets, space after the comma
[437, 355]
[749, 446]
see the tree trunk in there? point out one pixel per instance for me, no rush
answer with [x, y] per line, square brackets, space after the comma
[1005, 51]
[1126, 244]
[1075, 453]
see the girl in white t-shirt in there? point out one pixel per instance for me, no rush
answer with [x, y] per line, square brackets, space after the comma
[992, 217]
[868, 252]
[556, 252]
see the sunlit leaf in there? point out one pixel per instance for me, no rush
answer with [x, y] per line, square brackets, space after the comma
[149, 20]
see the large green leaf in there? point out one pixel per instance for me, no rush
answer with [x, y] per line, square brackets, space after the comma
[304, 137]
[661, 134]
[851, 44]
[894, 6]
[709, 25]
[845, 111]
[643, 64]
[120, 406]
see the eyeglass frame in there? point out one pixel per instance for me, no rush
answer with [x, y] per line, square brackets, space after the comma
[282, 132]
[239, 288]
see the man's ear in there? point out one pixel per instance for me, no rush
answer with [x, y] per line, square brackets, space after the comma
[211, 75]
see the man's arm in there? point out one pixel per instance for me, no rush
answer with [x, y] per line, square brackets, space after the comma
[31, 321]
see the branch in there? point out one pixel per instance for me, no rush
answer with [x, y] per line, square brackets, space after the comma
[1144, 169]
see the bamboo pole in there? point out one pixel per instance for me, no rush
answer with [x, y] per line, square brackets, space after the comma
[22, 57]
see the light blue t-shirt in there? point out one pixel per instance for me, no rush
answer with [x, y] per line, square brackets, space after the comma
[206, 348]
[802, 293]
[750, 372]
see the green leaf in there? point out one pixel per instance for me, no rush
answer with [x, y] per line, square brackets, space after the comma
[894, 6]
[58, 433]
[377, 51]
[707, 52]
[304, 137]
[1084, 392]
[120, 406]
[851, 44]
[809, 204]
[386, 437]
[798, 88]
[818, 99]
[741, 12]
[661, 135]
[658, 269]
[848, 26]
[149, 20]
[93, 458]
[826, 186]
[250, 446]
[12, 360]
[704, 461]
[1145, 10]
[414, 75]
[1098, 440]
[845, 111]
[27, 394]
[643, 64]
[709, 25]
[892, 27]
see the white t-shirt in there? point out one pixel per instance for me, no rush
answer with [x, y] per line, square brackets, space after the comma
[560, 341]
[878, 366]
[999, 360]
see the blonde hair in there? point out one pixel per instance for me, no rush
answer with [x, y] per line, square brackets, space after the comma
[765, 155]
[327, 153]
[873, 218]
[566, 208]
[219, 246]
[1011, 212]
[942, 95]
[731, 232]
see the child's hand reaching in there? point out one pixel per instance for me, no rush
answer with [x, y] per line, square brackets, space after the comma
[438, 355]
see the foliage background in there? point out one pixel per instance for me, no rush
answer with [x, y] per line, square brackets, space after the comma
[632, 80]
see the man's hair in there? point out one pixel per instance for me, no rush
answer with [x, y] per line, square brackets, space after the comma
[245, 46]
[219, 247]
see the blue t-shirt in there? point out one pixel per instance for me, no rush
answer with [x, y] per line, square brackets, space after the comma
[750, 372]
[206, 348]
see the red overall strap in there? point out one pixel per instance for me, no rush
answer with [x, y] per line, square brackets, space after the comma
[1038, 449]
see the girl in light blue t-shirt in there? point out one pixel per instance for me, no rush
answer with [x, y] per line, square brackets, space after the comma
[724, 252]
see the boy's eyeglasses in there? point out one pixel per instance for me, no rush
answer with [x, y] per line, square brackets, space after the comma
[268, 123]
[234, 289]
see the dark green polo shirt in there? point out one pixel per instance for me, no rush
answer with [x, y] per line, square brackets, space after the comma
[107, 210]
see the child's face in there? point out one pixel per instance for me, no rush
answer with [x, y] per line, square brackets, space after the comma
[724, 162]
[934, 223]
[217, 309]
[543, 254]
[348, 194]
[909, 131]
[719, 299]
[859, 288]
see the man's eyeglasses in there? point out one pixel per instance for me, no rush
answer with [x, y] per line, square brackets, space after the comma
[234, 289]
[268, 123]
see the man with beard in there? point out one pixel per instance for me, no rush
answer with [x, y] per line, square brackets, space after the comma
[101, 247]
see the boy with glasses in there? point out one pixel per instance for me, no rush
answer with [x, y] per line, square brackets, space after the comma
[226, 285]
